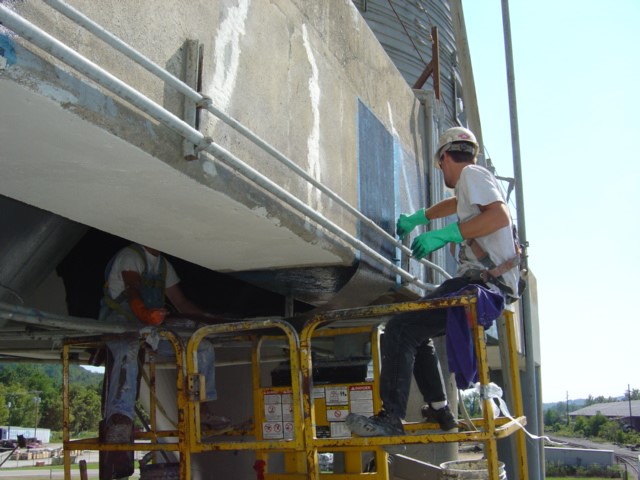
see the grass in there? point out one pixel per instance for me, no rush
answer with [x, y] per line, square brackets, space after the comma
[51, 467]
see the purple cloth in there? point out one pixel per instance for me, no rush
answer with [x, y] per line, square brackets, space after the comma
[460, 348]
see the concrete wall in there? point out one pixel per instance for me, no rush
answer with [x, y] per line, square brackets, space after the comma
[579, 456]
[299, 74]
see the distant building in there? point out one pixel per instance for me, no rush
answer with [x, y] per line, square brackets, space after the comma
[625, 412]
[11, 433]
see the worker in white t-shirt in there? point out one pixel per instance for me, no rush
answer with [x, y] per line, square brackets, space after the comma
[137, 280]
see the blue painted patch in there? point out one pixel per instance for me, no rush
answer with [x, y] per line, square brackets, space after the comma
[7, 49]
[375, 179]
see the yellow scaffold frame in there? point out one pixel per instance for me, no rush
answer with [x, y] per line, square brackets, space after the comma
[490, 429]
[195, 441]
[301, 449]
[295, 462]
[149, 440]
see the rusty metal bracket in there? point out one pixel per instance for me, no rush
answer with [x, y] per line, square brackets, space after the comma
[195, 387]
[433, 67]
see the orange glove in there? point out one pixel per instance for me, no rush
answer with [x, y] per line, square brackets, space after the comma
[150, 316]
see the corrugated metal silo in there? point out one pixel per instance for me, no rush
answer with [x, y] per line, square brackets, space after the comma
[403, 28]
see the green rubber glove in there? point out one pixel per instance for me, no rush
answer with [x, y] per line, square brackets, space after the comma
[406, 223]
[428, 242]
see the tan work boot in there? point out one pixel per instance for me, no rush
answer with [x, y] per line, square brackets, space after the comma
[212, 422]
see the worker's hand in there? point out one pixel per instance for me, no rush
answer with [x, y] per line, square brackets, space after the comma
[428, 242]
[150, 316]
[406, 223]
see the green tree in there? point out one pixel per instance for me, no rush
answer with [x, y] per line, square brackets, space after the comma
[612, 431]
[85, 412]
[580, 425]
[594, 424]
[22, 410]
[22, 383]
[4, 409]
[551, 417]
[52, 413]
[635, 394]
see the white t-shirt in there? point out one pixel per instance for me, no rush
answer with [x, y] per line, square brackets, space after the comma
[128, 260]
[478, 187]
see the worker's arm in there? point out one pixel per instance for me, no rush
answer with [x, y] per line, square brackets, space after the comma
[406, 223]
[180, 301]
[491, 218]
[132, 284]
[442, 209]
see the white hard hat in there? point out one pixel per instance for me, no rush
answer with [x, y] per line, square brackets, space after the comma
[457, 139]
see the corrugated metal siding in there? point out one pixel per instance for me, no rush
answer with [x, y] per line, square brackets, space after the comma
[411, 53]
[610, 409]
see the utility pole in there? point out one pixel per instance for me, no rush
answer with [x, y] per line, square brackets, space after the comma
[630, 416]
[531, 386]
[9, 429]
[36, 400]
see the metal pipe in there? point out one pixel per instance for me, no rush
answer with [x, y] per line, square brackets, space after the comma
[53, 46]
[40, 335]
[32, 316]
[531, 387]
[206, 103]
[427, 98]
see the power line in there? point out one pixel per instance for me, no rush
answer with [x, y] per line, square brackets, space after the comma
[406, 31]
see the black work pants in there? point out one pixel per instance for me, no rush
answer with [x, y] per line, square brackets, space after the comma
[407, 348]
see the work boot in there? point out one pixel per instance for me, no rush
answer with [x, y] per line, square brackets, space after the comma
[117, 463]
[211, 423]
[216, 423]
[119, 429]
[442, 417]
[384, 424]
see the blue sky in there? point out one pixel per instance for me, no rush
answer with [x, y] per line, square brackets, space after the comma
[576, 70]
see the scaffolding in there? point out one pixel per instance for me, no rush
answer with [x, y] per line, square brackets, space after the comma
[298, 420]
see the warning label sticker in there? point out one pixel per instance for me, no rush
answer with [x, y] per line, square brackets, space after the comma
[361, 399]
[287, 429]
[339, 430]
[336, 396]
[272, 430]
[337, 415]
[278, 414]
[273, 412]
